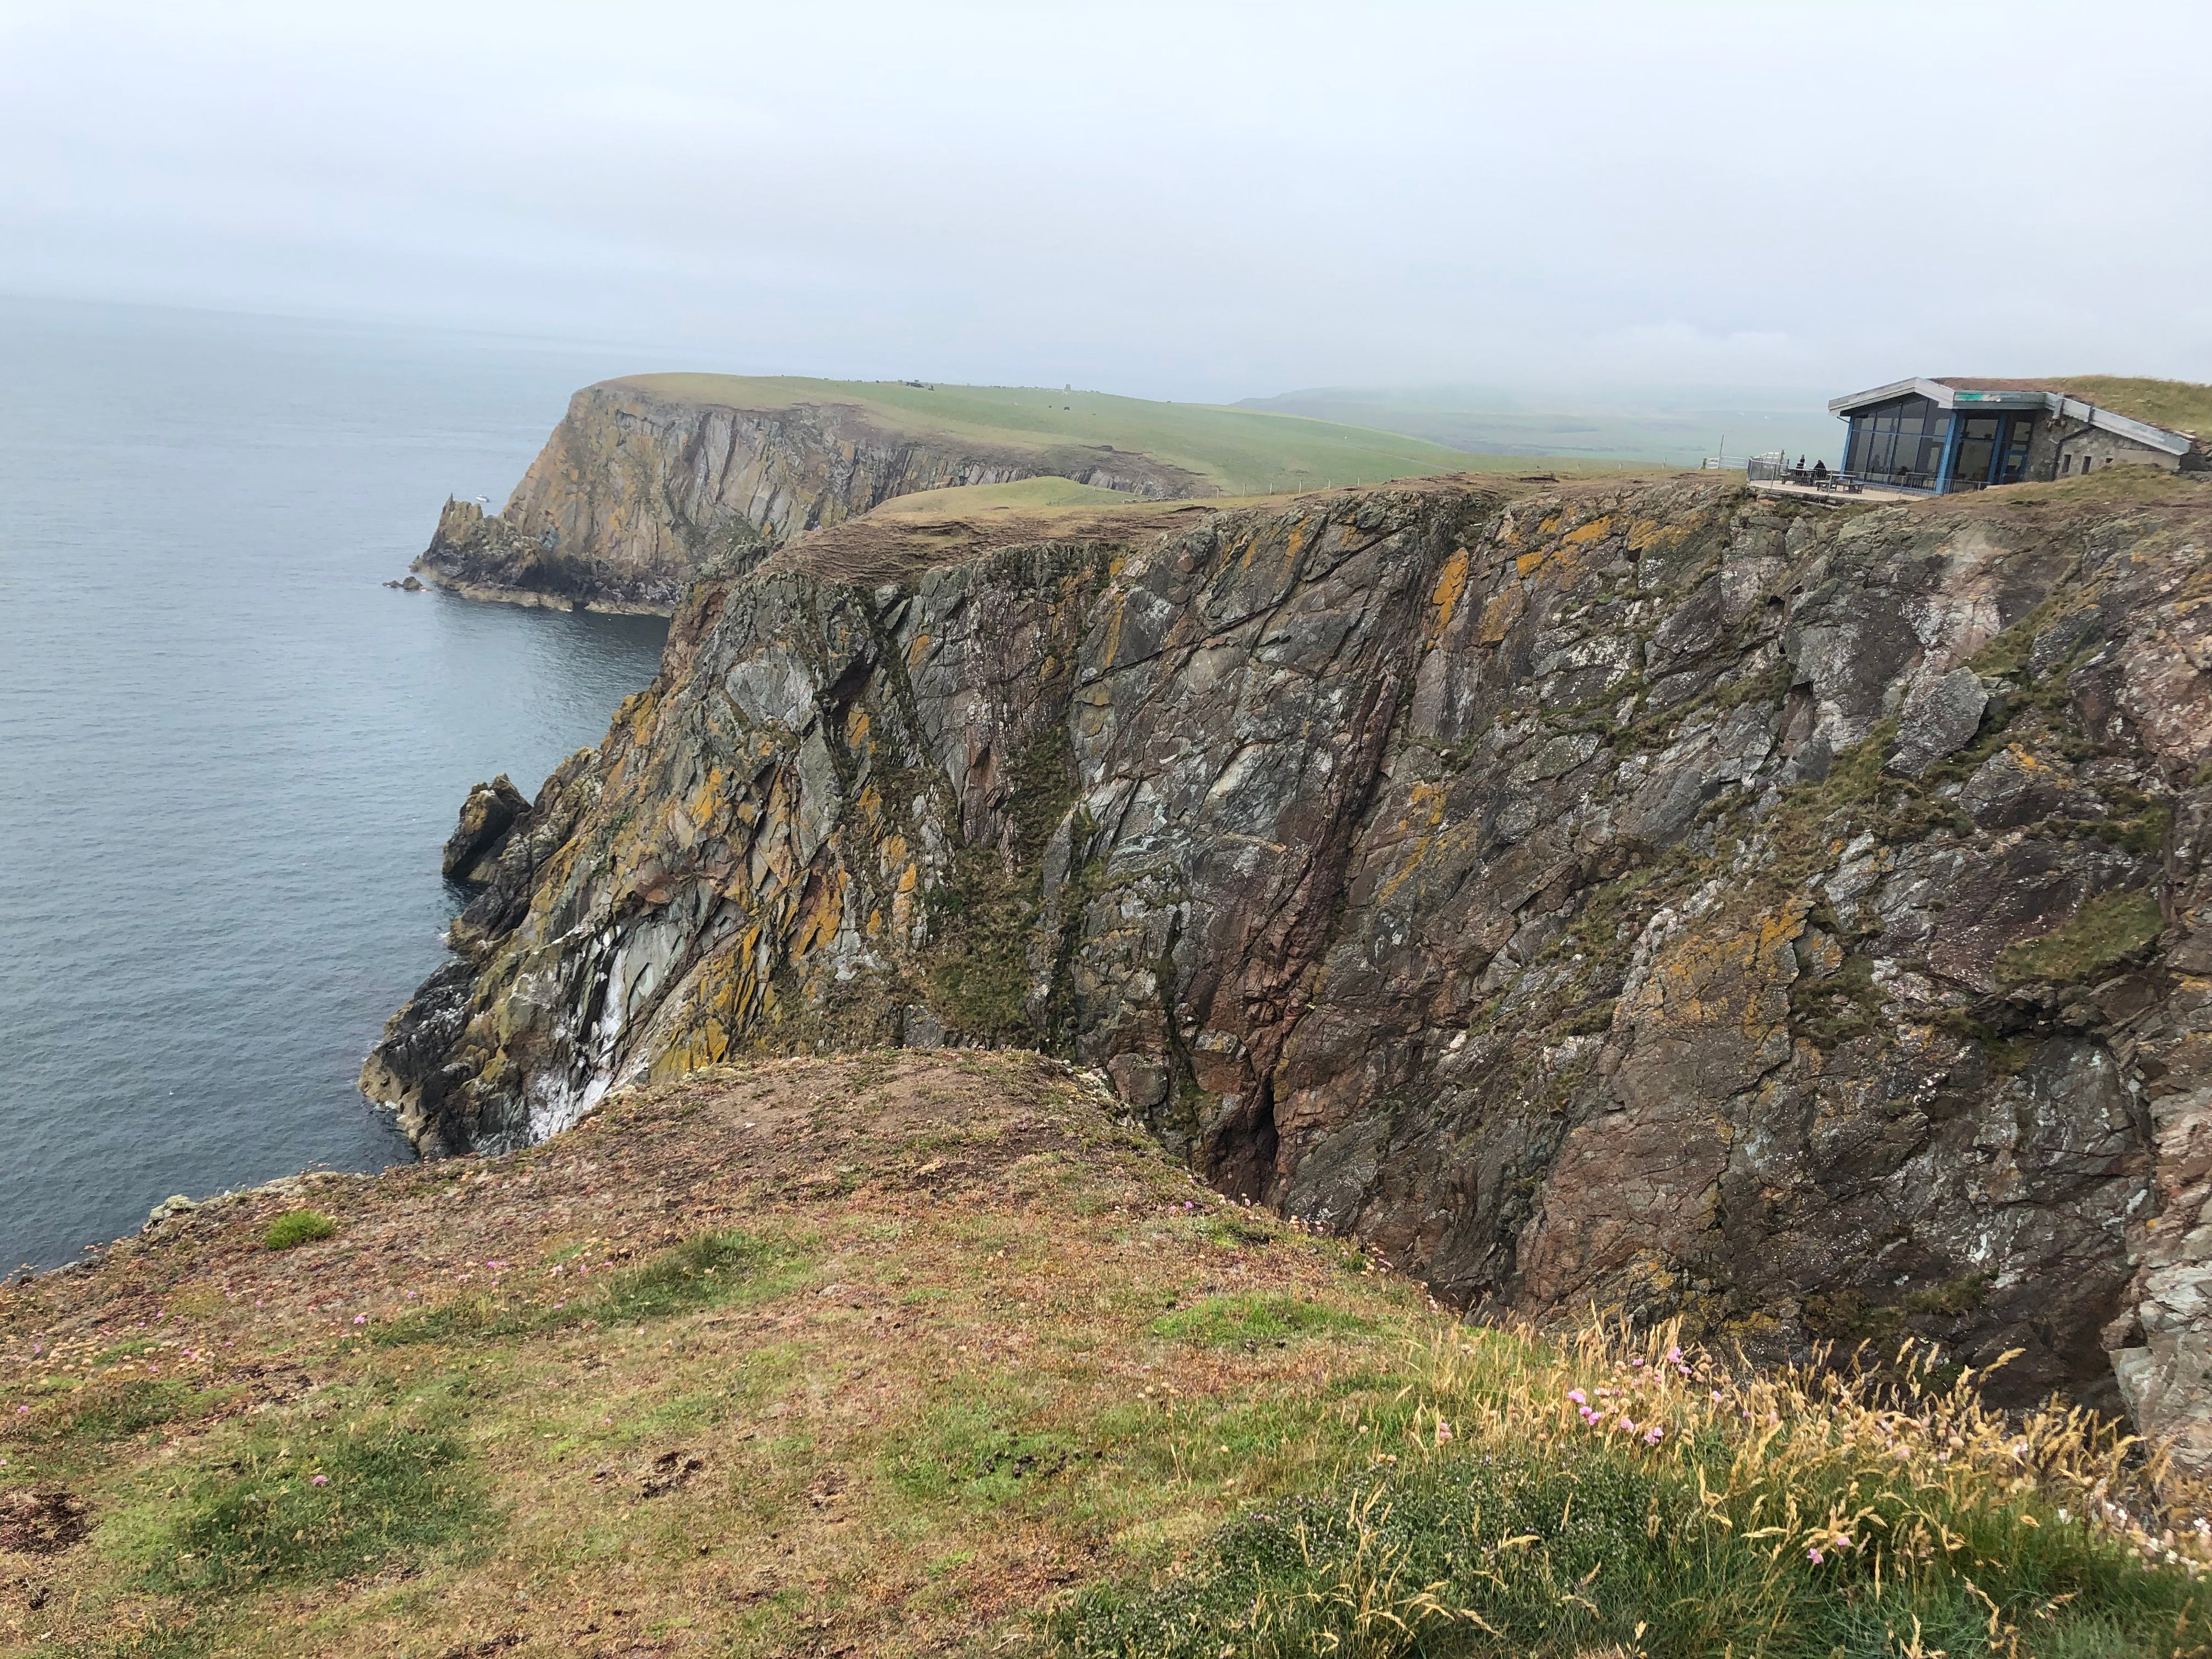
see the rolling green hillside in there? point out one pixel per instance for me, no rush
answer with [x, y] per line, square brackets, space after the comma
[1242, 451]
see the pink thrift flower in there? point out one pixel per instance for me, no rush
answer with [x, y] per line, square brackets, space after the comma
[1638, 1360]
[1814, 1557]
[1652, 1434]
[1578, 1396]
[1717, 1396]
[322, 1480]
[1673, 1356]
[1623, 1423]
[1842, 1541]
[360, 1319]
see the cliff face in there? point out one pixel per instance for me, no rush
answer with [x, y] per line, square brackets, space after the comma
[1789, 917]
[635, 494]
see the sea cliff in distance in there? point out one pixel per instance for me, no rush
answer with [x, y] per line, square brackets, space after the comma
[653, 479]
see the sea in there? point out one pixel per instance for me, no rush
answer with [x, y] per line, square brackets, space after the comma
[229, 755]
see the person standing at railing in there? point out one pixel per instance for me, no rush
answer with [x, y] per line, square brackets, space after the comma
[1820, 475]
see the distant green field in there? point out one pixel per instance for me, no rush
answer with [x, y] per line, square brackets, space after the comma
[1241, 450]
[1600, 430]
[1021, 496]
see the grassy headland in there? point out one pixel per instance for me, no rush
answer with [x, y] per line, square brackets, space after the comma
[923, 1353]
[1243, 452]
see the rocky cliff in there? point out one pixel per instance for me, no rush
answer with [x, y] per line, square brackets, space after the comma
[1789, 916]
[637, 492]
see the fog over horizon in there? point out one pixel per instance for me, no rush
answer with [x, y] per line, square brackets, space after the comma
[1616, 203]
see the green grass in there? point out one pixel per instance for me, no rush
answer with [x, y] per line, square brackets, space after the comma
[1016, 1427]
[114, 1408]
[1585, 432]
[1022, 494]
[2104, 933]
[700, 1273]
[296, 1227]
[1600, 1549]
[703, 1272]
[982, 1449]
[1239, 451]
[318, 1500]
[1221, 1321]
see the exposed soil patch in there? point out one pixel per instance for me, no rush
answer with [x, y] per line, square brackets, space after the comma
[43, 1520]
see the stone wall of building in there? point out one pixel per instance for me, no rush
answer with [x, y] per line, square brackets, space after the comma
[2063, 448]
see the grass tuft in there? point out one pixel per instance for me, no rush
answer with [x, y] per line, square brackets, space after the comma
[1224, 1320]
[979, 1451]
[297, 1227]
[702, 1271]
[1619, 1493]
[317, 1501]
[2103, 933]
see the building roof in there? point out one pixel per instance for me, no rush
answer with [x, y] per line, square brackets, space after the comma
[2051, 397]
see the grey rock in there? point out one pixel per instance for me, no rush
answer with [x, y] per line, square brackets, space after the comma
[1278, 820]
[1939, 719]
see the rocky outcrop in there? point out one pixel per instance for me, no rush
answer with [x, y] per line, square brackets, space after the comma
[637, 492]
[1789, 916]
[488, 815]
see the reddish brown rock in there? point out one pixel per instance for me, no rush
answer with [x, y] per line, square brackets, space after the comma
[1595, 895]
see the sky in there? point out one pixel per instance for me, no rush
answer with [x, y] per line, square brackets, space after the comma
[1204, 201]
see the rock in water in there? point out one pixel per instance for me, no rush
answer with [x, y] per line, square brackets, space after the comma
[1512, 876]
[488, 815]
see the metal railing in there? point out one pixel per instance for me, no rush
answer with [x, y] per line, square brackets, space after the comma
[1772, 469]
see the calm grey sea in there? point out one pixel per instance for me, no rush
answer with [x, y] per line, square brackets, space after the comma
[228, 755]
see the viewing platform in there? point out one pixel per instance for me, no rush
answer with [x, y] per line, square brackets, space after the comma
[1769, 477]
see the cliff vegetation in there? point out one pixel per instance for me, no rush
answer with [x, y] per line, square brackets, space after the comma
[912, 1352]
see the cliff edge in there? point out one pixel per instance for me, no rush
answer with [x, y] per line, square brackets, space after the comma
[1789, 918]
[922, 1352]
[649, 481]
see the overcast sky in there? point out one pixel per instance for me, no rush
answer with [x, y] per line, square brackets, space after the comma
[1194, 200]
